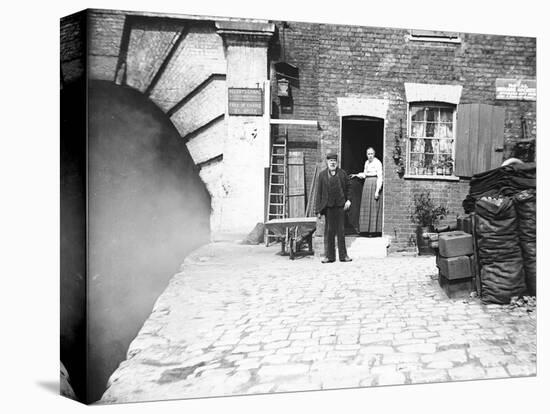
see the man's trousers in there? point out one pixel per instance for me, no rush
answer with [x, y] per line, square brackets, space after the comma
[334, 227]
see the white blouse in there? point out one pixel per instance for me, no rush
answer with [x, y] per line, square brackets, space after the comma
[373, 169]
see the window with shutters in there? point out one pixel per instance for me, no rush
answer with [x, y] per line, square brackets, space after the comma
[431, 140]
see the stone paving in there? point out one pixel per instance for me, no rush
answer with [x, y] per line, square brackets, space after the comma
[244, 320]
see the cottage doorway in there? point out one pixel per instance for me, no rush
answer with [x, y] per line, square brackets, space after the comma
[358, 134]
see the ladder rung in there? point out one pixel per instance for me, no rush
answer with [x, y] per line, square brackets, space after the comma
[275, 173]
[279, 145]
[279, 165]
[277, 184]
[276, 204]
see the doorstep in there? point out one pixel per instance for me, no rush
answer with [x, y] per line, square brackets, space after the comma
[367, 247]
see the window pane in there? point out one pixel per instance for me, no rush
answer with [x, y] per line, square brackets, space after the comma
[413, 144]
[417, 129]
[435, 145]
[431, 114]
[430, 130]
[428, 147]
[416, 164]
[429, 163]
[445, 131]
[446, 115]
[417, 114]
[417, 145]
[439, 165]
[446, 146]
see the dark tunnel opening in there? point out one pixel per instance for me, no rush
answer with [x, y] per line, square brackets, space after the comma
[147, 209]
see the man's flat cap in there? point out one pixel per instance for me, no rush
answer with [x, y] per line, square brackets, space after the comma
[332, 155]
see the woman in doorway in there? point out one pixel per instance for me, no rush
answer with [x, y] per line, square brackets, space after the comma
[370, 215]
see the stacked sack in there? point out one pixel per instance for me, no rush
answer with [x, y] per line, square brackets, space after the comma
[504, 200]
[499, 251]
[504, 181]
[526, 208]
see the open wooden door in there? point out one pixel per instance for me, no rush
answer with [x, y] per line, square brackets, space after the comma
[296, 184]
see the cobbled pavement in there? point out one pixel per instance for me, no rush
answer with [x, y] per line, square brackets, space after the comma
[244, 320]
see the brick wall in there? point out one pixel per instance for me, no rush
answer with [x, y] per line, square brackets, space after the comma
[148, 45]
[72, 47]
[334, 61]
[199, 55]
[201, 108]
[105, 35]
[366, 62]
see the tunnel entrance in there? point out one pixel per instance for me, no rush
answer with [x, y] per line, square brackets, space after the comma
[147, 209]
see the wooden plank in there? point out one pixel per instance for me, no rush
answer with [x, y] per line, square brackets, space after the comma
[473, 143]
[296, 184]
[462, 145]
[498, 137]
[309, 206]
[483, 154]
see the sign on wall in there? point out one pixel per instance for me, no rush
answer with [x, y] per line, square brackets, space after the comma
[516, 89]
[246, 101]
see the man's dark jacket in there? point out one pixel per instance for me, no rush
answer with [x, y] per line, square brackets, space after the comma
[321, 198]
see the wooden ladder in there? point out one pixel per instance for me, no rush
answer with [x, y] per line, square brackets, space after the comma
[277, 199]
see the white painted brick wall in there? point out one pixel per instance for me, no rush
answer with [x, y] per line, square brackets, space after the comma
[199, 55]
[147, 50]
[208, 144]
[211, 175]
[246, 144]
[202, 108]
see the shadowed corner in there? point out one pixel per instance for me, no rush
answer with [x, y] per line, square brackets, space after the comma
[61, 387]
[50, 386]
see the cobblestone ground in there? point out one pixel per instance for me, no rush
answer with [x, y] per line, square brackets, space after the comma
[243, 320]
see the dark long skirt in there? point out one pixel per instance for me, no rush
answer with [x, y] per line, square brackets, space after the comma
[370, 216]
[352, 215]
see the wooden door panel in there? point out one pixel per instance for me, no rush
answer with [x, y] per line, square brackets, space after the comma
[479, 137]
[296, 184]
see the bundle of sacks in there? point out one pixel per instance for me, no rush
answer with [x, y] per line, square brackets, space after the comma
[504, 200]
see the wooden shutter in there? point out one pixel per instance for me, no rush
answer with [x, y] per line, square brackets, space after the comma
[479, 138]
[296, 184]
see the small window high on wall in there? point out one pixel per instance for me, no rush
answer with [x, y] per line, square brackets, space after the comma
[431, 143]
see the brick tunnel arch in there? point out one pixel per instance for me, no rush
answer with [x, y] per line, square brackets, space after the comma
[174, 72]
[148, 208]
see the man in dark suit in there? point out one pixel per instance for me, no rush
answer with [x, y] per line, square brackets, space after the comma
[332, 199]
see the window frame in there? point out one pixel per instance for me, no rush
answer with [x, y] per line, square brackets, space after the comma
[430, 104]
[418, 35]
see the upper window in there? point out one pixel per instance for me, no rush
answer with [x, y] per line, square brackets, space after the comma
[433, 36]
[431, 131]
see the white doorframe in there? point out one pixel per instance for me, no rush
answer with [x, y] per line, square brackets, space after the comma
[368, 107]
